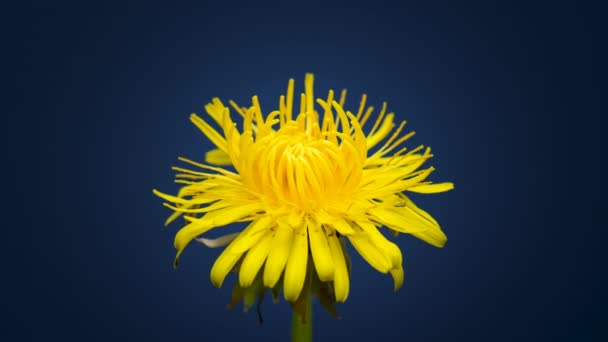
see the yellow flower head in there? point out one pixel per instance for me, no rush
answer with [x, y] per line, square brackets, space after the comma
[304, 183]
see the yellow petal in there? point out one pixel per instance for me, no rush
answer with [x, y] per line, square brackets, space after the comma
[398, 275]
[370, 253]
[295, 272]
[215, 109]
[211, 220]
[173, 217]
[210, 132]
[432, 188]
[170, 198]
[389, 248]
[251, 235]
[224, 264]
[337, 222]
[397, 186]
[308, 87]
[234, 213]
[289, 99]
[253, 261]
[341, 281]
[319, 249]
[385, 129]
[215, 206]
[277, 256]
[423, 214]
[399, 219]
[434, 236]
[412, 162]
[243, 242]
[189, 232]
[218, 157]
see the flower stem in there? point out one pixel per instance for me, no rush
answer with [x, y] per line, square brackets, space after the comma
[301, 329]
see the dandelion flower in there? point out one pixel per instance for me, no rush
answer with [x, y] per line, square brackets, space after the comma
[304, 183]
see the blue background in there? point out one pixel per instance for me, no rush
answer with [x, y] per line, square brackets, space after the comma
[506, 95]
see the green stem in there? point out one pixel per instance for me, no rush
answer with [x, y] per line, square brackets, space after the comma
[301, 330]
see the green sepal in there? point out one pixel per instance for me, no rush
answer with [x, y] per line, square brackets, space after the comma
[276, 290]
[237, 295]
[327, 298]
[252, 291]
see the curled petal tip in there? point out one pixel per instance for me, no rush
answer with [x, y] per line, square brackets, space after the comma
[398, 276]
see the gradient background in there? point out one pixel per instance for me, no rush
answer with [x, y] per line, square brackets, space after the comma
[506, 95]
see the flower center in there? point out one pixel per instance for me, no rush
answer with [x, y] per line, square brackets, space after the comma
[295, 168]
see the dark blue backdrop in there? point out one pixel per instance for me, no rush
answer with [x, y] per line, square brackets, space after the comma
[100, 113]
